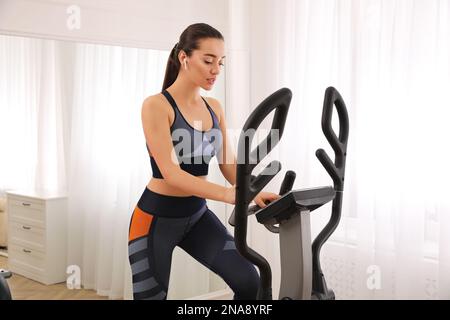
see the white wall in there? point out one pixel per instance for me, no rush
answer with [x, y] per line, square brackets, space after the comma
[151, 24]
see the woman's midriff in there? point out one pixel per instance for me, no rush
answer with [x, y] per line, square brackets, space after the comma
[162, 187]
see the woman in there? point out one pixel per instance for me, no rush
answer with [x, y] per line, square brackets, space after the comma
[172, 210]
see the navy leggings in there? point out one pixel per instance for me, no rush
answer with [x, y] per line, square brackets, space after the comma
[160, 222]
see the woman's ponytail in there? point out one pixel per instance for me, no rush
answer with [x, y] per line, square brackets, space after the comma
[172, 68]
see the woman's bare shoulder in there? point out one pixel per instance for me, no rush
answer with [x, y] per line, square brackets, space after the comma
[157, 104]
[154, 100]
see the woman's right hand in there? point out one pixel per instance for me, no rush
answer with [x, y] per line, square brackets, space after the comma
[230, 195]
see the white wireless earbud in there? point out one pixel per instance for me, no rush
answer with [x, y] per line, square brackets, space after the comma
[185, 65]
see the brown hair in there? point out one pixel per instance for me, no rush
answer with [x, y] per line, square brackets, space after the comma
[188, 42]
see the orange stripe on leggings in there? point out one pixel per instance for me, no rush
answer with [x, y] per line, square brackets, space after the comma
[140, 224]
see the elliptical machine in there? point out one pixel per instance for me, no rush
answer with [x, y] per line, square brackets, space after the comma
[301, 273]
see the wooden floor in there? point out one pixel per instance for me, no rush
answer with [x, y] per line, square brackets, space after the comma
[25, 289]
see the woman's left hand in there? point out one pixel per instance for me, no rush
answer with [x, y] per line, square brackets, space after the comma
[263, 197]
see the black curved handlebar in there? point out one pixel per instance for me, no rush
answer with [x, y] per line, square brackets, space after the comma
[248, 186]
[336, 170]
[288, 182]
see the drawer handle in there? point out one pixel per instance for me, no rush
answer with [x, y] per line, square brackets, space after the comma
[26, 251]
[26, 228]
[26, 204]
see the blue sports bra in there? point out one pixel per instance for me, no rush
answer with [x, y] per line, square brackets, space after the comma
[193, 148]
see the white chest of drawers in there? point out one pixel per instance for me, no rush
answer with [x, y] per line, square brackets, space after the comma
[37, 235]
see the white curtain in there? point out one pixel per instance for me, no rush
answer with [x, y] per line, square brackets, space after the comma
[31, 115]
[108, 166]
[71, 121]
[390, 61]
